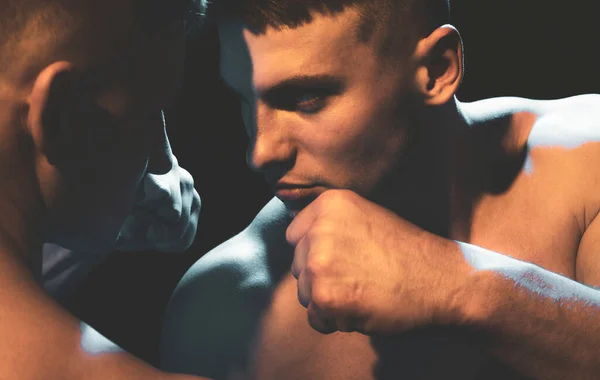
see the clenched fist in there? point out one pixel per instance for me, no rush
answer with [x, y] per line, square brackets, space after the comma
[362, 268]
[165, 216]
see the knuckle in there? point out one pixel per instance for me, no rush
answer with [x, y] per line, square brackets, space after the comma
[320, 229]
[296, 268]
[186, 178]
[322, 298]
[196, 204]
[157, 187]
[317, 263]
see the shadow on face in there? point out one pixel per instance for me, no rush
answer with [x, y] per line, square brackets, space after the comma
[319, 105]
[100, 133]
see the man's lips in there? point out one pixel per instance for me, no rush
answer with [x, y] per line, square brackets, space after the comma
[296, 197]
[294, 194]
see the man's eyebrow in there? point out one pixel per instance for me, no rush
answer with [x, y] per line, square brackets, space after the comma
[320, 82]
[325, 82]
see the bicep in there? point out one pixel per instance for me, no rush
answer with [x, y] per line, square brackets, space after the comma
[588, 255]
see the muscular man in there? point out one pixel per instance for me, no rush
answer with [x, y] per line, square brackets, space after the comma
[82, 85]
[352, 116]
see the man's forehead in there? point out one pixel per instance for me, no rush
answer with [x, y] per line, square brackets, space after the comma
[323, 46]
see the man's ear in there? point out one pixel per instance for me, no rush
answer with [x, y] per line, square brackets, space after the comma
[51, 103]
[439, 65]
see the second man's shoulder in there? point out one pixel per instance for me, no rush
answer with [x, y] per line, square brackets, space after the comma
[216, 307]
[246, 260]
[568, 123]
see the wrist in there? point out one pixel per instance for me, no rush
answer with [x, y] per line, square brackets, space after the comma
[470, 293]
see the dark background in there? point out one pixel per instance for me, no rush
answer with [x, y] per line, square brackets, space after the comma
[530, 48]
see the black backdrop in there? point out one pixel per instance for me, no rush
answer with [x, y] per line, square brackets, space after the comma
[532, 48]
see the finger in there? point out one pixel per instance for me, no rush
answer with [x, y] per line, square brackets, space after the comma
[300, 256]
[178, 245]
[348, 324]
[304, 288]
[158, 188]
[302, 223]
[185, 178]
[137, 222]
[194, 211]
[163, 194]
[187, 239]
[320, 321]
[189, 196]
[179, 236]
[162, 234]
[133, 234]
[160, 161]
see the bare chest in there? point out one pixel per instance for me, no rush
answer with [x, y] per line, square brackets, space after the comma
[532, 221]
[286, 347]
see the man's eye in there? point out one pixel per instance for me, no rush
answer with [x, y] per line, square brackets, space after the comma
[305, 102]
[310, 103]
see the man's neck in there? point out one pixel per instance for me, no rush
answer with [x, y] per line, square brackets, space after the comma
[20, 199]
[430, 186]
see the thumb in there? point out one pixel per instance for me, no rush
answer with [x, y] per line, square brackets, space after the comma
[160, 161]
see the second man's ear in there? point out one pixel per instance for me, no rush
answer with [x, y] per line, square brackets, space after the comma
[51, 105]
[439, 67]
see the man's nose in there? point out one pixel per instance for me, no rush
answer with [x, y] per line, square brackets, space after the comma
[270, 144]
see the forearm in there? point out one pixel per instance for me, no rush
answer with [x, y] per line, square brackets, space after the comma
[120, 365]
[540, 323]
[99, 358]
[42, 341]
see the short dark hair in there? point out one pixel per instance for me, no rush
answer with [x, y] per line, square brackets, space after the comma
[25, 19]
[401, 23]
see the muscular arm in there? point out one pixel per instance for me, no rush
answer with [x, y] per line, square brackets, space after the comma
[540, 323]
[42, 341]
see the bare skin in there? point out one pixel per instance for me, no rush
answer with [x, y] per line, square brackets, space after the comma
[269, 330]
[511, 175]
[73, 154]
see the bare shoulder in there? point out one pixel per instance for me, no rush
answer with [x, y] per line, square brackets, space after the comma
[555, 148]
[212, 315]
[565, 139]
[568, 123]
[561, 136]
[565, 143]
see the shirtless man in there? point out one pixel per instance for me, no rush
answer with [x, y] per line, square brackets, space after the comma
[352, 116]
[82, 85]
